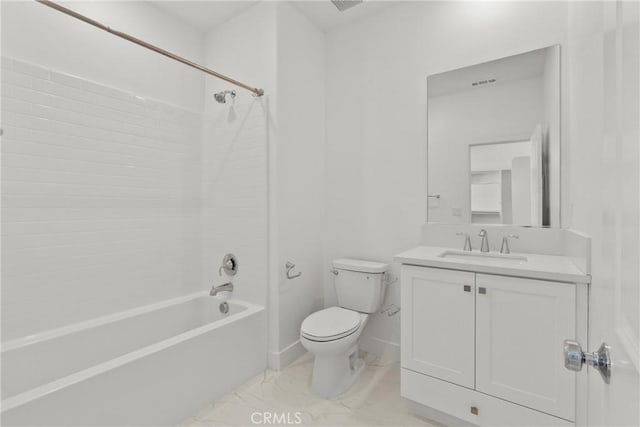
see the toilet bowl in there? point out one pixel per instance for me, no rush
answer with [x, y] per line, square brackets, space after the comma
[332, 334]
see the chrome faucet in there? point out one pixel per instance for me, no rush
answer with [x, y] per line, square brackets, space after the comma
[467, 240]
[504, 249]
[484, 245]
[225, 287]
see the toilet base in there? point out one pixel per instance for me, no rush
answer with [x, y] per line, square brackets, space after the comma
[333, 375]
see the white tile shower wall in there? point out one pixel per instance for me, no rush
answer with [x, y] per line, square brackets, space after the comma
[246, 45]
[283, 53]
[100, 200]
[235, 194]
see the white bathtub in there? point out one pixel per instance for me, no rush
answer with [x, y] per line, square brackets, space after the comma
[154, 365]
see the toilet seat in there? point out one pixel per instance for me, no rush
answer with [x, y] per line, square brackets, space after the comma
[330, 324]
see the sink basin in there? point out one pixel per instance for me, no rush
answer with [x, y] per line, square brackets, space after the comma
[484, 257]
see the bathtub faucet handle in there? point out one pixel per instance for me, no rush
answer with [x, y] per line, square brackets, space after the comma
[229, 265]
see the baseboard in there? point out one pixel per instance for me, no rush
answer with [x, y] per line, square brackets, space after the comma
[279, 360]
[387, 350]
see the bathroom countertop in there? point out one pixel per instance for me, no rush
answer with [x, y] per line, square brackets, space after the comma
[544, 267]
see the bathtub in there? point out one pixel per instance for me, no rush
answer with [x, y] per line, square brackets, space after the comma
[154, 365]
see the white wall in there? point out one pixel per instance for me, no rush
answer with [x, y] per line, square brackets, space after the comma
[40, 35]
[376, 127]
[300, 174]
[459, 119]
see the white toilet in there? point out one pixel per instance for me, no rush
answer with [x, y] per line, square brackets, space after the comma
[332, 334]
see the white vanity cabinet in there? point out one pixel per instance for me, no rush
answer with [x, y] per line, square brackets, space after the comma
[488, 348]
[521, 325]
[438, 323]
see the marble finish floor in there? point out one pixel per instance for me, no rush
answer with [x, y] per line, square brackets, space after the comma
[374, 400]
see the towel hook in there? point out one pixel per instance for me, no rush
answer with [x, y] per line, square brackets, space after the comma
[290, 266]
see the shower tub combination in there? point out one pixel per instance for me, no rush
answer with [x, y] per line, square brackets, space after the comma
[153, 365]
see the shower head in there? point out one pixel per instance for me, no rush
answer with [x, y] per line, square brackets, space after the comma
[221, 97]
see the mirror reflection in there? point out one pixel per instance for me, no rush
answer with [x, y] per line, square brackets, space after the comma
[494, 142]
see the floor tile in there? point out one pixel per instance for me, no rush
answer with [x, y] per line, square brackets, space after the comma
[373, 400]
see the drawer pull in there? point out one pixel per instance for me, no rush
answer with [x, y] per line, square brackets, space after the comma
[474, 410]
[482, 290]
[467, 288]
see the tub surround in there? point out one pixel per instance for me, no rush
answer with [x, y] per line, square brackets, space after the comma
[100, 188]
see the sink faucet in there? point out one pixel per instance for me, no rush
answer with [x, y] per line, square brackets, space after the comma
[226, 287]
[467, 240]
[504, 249]
[484, 245]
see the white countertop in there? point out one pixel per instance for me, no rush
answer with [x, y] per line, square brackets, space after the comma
[545, 267]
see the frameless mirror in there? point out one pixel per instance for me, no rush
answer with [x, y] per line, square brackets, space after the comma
[494, 142]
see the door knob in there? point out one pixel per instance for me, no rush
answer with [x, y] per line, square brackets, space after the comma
[574, 358]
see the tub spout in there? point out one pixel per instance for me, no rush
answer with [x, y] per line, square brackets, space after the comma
[226, 287]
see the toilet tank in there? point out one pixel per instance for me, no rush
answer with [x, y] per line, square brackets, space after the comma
[360, 285]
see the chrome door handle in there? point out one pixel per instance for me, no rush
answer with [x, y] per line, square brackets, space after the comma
[574, 358]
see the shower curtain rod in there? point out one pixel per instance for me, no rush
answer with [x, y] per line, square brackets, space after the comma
[255, 90]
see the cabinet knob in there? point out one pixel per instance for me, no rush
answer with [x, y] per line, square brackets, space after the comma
[467, 288]
[474, 410]
[482, 290]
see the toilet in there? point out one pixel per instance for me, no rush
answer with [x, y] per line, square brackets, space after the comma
[332, 334]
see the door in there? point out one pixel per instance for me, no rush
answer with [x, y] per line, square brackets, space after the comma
[438, 323]
[603, 50]
[520, 324]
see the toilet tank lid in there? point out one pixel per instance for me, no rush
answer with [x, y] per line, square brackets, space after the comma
[360, 265]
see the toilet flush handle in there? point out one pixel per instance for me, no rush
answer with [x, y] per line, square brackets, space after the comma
[334, 271]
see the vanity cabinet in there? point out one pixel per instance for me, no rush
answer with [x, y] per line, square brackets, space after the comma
[488, 348]
[438, 328]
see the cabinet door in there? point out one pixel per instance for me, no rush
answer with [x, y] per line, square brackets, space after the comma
[438, 322]
[521, 325]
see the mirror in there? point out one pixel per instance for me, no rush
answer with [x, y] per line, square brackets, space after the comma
[494, 142]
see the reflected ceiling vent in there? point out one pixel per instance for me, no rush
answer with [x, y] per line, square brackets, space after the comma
[343, 5]
[483, 82]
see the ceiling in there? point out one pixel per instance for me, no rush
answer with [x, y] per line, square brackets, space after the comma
[203, 15]
[207, 14]
[326, 16]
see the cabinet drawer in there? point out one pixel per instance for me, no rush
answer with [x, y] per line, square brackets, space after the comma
[458, 401]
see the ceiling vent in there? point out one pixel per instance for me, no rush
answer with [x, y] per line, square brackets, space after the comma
[343, 5]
